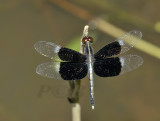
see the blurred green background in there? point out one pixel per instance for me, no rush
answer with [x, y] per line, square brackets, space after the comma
[26, 96]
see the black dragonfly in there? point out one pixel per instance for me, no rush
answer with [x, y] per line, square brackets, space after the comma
[69, 64]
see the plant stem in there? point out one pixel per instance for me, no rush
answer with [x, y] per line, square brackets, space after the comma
[73, 97]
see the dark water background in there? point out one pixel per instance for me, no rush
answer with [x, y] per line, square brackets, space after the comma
[26, 96]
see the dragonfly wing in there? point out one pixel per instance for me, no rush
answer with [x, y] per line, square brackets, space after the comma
[54, 51]
[121, 45]
[128, 40]
[70, 55]
[47, 49]
[117, 65]
[107, 68]
[130, 62]
[62, 70]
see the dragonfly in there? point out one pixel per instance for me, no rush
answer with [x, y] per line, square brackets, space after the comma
[68, 64]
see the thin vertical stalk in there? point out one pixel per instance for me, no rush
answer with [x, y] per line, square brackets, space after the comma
[75, 88]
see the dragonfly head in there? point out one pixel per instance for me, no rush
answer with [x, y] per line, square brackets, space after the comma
[87, 39]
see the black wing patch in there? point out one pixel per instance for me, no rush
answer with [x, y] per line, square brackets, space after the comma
[70, 55]
[73, 71]
[108, 51]
[108, 67]
[121, 45]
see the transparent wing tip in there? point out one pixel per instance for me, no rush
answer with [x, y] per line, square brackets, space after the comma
[38, 46]
[45, 70]
[130, 62]
[136, 33]
[39, 70]
[140, 59]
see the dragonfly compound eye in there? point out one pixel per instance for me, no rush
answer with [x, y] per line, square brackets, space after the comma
[85, 39]
[90, 39]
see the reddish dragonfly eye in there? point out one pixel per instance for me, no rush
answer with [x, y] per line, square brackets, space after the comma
[85, 39]
[90, 39]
